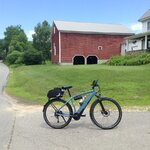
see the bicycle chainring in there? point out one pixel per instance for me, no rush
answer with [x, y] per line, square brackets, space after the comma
[76, 116]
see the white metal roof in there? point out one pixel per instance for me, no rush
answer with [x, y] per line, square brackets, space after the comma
[93, 28]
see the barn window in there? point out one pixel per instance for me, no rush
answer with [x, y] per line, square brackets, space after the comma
[78, 60]
[54, 48]
[100, 48]
[92, 60]
[54, 30]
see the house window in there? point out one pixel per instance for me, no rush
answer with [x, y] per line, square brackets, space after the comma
[148, 25]
[134, 42]
[148, 44]
[54, 48]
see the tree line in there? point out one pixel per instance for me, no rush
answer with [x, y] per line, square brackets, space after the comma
[16, 49]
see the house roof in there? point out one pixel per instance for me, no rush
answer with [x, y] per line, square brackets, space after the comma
[145, 16]
[136, 36]
[92, 28]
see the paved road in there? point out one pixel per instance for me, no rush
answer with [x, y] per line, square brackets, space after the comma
[23, 128]
[6, 116]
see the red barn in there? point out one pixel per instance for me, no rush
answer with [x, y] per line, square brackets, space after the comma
[86, 43]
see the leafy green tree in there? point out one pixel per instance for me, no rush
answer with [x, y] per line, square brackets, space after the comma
[15, 39]
[32, 57]
[42, 39]
[14, 57]
[15, 44]
[2, 49]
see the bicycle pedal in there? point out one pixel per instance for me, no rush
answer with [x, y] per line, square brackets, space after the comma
[83, 115]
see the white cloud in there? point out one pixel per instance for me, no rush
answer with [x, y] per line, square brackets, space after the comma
[29, 34]
[136, 27]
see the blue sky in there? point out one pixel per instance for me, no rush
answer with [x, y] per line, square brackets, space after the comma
[28, 13]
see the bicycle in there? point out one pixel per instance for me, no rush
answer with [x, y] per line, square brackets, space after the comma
[105, 112]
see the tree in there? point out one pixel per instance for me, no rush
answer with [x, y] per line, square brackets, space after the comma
[32, 57]
[2, 49]
[15, 39]
[16, 44]
[41, 39]
[14, 57]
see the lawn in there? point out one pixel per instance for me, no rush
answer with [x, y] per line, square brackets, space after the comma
[129, 85]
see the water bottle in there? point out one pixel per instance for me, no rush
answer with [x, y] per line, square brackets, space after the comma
[82, 100]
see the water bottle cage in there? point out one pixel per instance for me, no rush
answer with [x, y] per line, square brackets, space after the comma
[78, 97]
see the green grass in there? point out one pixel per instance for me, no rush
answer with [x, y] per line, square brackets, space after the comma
[129, 85]
[134, 59]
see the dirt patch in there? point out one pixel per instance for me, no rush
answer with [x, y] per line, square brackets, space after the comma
[27, 107]
[22, 107]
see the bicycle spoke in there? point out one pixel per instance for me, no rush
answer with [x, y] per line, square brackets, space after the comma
[57, 119]
[57, 113]
[64, 119]
[55, 108]
[105, 113]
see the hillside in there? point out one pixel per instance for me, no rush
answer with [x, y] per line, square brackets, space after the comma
[130, 85]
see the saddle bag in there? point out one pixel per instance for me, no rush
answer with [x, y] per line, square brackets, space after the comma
[54, 93]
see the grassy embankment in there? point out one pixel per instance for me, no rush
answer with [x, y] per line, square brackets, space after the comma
[129, 85]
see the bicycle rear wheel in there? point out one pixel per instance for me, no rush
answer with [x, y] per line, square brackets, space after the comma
[106, 113]
[57, 114]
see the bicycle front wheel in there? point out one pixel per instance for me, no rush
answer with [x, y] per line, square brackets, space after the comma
[57, 113]
[106, 113]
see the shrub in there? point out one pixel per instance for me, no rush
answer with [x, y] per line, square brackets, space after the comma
[14, 57]
[2, 55]
[32, 57]
[130, 60]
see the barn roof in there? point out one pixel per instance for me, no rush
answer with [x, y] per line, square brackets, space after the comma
[92, 28]
[145, 16]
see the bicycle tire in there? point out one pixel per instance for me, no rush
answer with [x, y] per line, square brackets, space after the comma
[51, 113]
[110, 109]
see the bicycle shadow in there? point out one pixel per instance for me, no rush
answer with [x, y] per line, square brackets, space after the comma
[85, 124]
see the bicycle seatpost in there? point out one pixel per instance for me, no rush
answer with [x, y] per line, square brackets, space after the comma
[69, 92]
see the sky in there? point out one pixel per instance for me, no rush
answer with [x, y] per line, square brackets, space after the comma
[28, 13]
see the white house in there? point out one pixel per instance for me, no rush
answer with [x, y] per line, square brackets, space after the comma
[141, 41]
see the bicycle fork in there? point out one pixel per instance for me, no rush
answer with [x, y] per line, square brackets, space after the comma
[103, 111]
